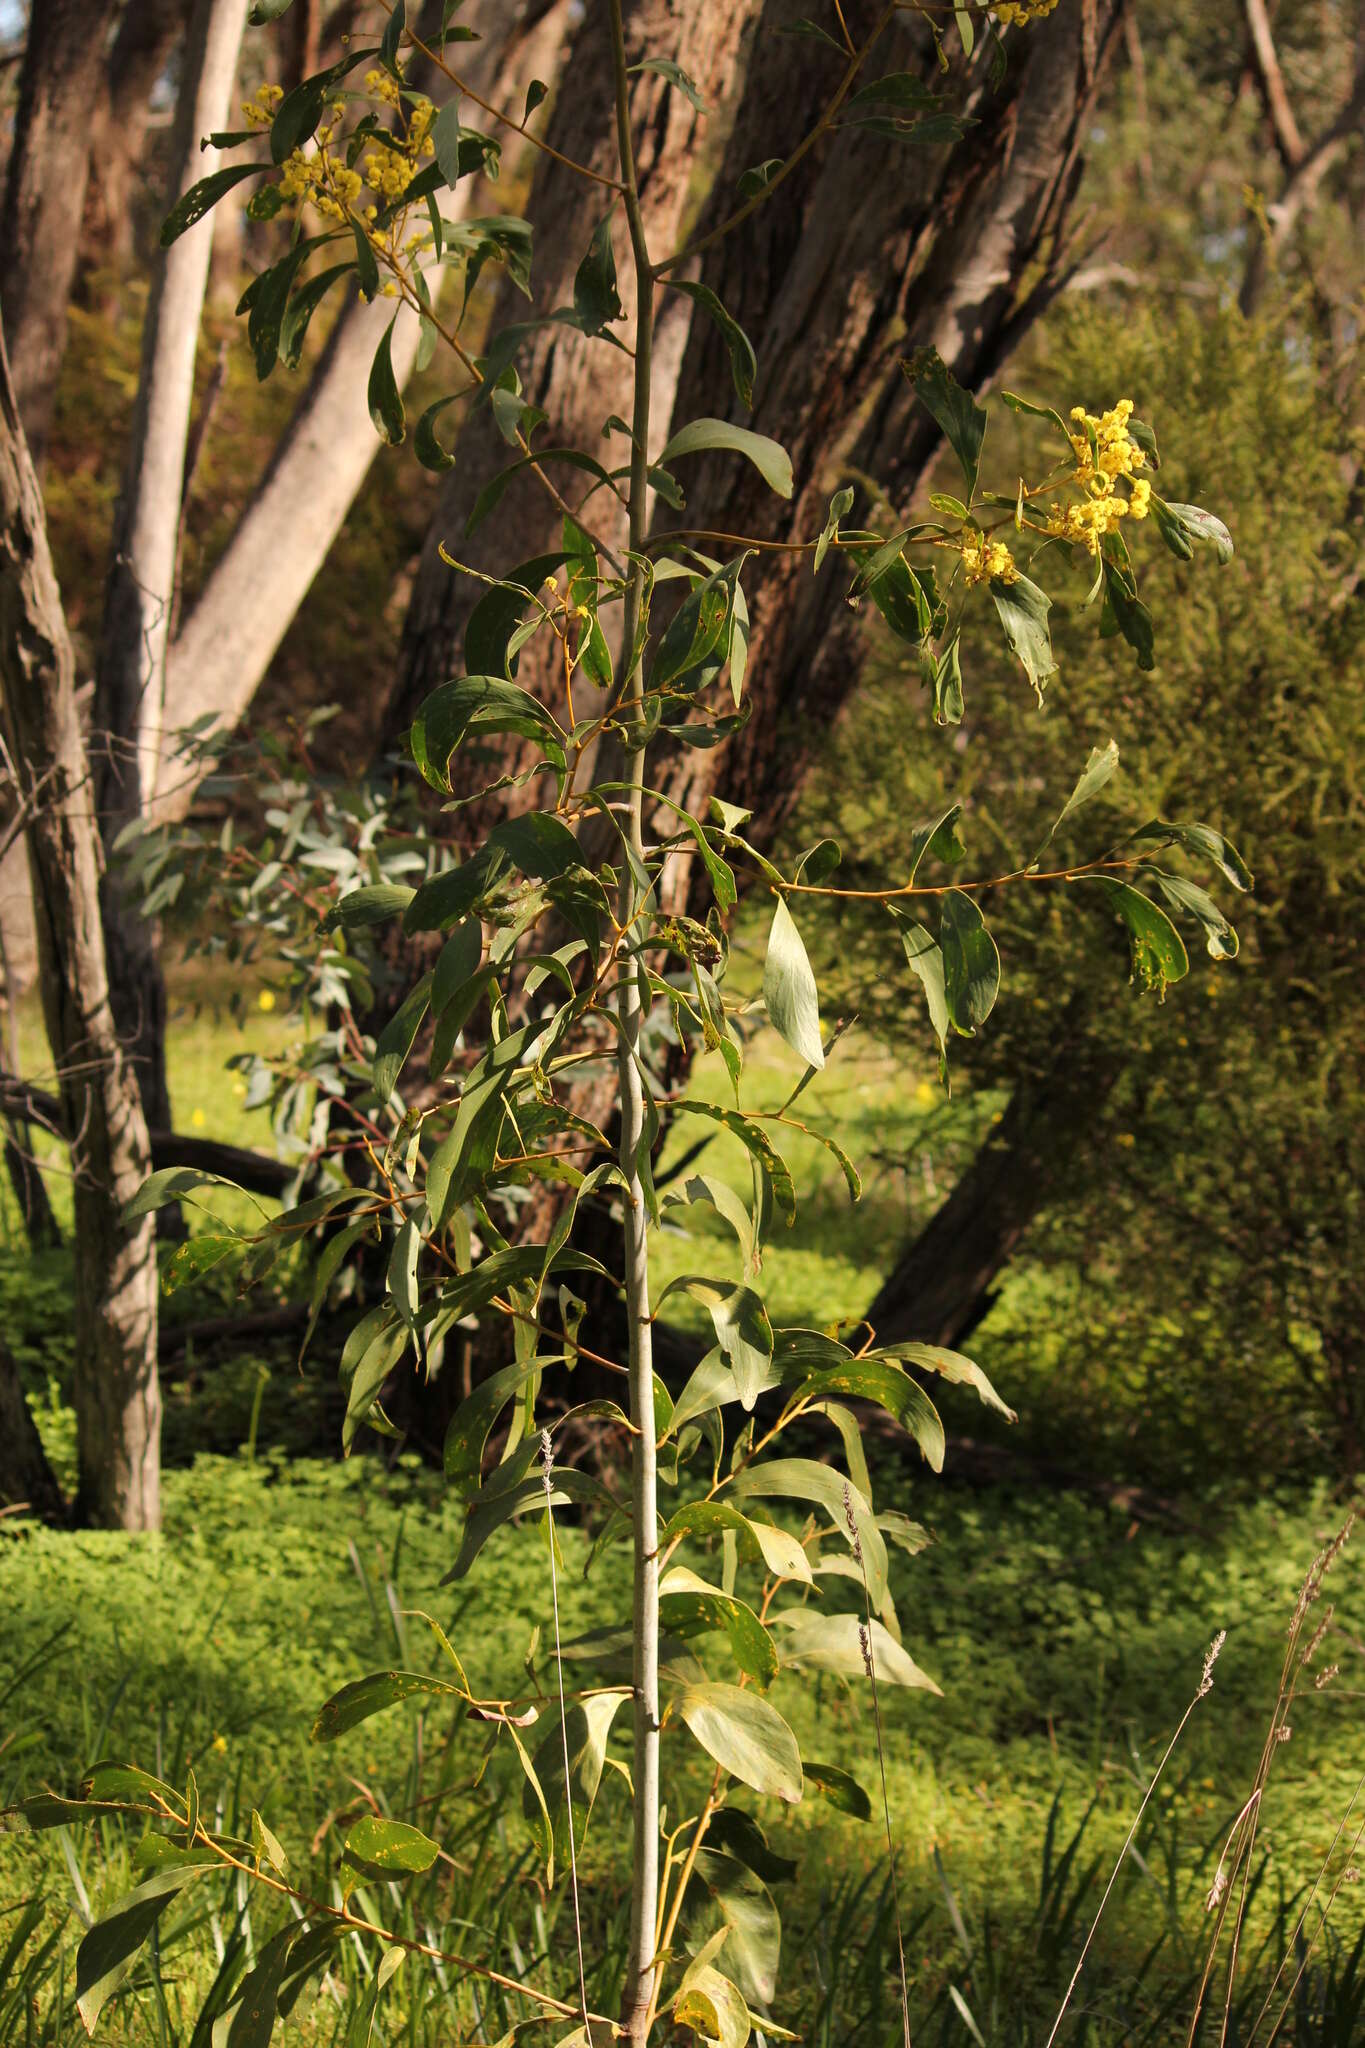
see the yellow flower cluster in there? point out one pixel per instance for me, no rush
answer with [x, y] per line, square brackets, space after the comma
[1114, 455]
[320, 181]
[381, 85]
[261, 109]
[987, 560]
[1019, 13]
[389, 171]
[1118, 453]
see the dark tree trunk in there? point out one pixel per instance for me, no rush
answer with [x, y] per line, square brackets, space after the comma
[63, 70]
[943, 1284]
[26, 1478]
[858, 259]
[118, 1401]
[118, 127]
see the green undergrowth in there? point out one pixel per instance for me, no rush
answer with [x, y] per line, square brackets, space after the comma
[1066, 1638]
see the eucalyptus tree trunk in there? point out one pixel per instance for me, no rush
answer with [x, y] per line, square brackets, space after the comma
[118, 1402]
[40, 229]
[944, 1281]
[227, 639]
[130, 677]
[962, 253]
[561, 371]
[119, 121]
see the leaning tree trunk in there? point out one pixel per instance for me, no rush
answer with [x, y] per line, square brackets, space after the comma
[63, 70]
[226, 640]
[130, 677]
[943, 1283]
[118, 1401]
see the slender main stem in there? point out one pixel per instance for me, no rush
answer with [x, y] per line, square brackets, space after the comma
[640, 1963]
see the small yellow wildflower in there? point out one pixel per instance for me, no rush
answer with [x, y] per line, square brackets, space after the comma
[261, 109]
[266, 999]
[987, 560]
[926, 1095]
[1140, 498]
[198, 1119]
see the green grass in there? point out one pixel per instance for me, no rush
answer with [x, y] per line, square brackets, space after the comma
[1066, 1636]
[1065, 1641]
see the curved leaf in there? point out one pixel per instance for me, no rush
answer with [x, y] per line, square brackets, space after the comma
[769, 457]
[789, 988]
[688, 1607]
[746, 1736]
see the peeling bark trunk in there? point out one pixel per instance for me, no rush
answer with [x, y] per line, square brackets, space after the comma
[64, 62]
[118, 1402]
[852, 265]
[130, 676]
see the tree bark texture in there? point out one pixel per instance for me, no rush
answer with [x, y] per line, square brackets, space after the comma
[61, 80]
[118, 1402]
[577, 382]
[857, 260]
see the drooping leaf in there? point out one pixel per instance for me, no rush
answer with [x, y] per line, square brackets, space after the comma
[962, 420]
[743, 361]
[688, 1606]
[840, 1788]
[372, 1695]
[1219, 936]
[1023, 610]
[395, 1040]
[833, 1642]
[807, 1480]
[746, 1736]
[676, 77]
[587, 1725]
[925, 959]
[368, 905]
[385, 399]
[1200, 525]
[596, 299]
[201, 198]
[742, 1328]
[952, 1366]
[110, 1949]
[1203, 842]
[971, 963]
[769, 458]
[871, 1379]
[1156, 947]
[789, 988]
